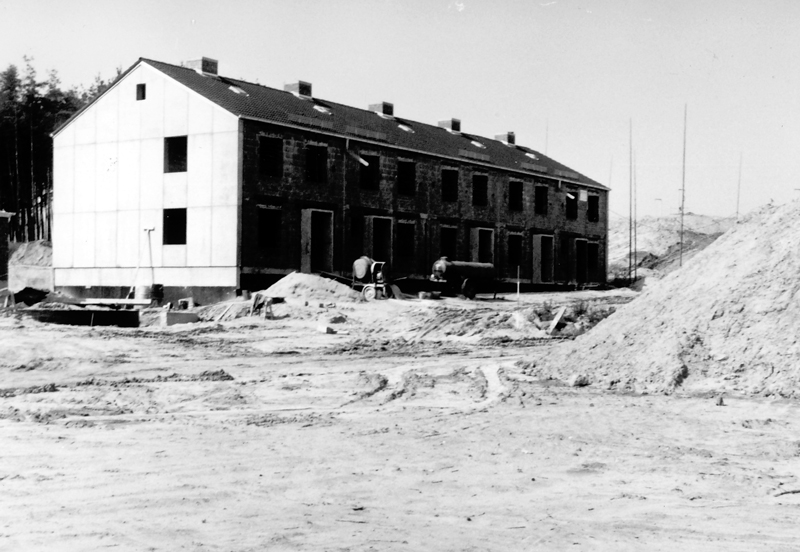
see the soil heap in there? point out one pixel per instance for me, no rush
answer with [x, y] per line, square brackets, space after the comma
[727, 321]
[309, 287]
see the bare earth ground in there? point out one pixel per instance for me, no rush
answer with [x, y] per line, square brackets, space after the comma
[411, 432]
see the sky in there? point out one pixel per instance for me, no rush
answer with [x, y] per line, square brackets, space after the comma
[583, 81]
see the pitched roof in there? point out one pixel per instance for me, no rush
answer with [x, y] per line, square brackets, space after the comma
[254, 101]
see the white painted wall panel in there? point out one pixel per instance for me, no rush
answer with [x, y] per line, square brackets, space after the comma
[224, 187]
[130, 108]
[200, 170]
[224, 234]
[107, 112]
[85, 178]
[66, 136]
[175, 190]
[64, 185]
[201, 115]
[85, 127]
[152, 110]
[106, 177]
[63, 239]
[84, 240]
[128, 176]
[225, 121]
[105, 243]
[152, 175]
[173, 255]
[129, 234]
[223, 276]
[198, 232]
[176, 109]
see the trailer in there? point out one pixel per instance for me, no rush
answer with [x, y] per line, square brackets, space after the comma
[464, 278]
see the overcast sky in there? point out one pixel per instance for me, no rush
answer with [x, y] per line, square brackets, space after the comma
[568, 76]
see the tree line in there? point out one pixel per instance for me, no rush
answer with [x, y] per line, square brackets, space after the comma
[31, 108]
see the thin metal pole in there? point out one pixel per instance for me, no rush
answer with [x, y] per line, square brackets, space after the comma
[683, 179]
[635, 221]
[739, 187]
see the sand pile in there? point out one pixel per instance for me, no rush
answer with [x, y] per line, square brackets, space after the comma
[309, 287]
[727, 321]
[35, 253]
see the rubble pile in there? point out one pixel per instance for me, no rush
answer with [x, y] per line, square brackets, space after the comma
[726, 322]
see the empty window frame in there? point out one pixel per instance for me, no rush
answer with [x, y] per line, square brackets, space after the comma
[571, 199]
[540, 200]
[593, 262]
[141, 92]
[316, 164]
[448, 242]
[515, 202]
[485, 245]
[406, 178]
[593, 209]
[174, 226]
[406, 242]
[480, 190]
[449, 185]
[270, 230]
[175, 153]
[514, 253]
[370, 175]
[270, 157]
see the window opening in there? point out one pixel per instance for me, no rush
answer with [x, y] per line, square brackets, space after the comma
[317, 164]
[270, 231]
[593, 209]
[141, 92]
[514, 254]
[448, 242]
[515, 196]
[406, 178]
[175, 149]
[406, 238]
[572, 206]
[370, 177]
[270, 157]
[480, 190]
[449, 185]
[540, 200]
[174, 227]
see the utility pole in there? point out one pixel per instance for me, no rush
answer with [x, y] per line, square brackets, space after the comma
[683, 179]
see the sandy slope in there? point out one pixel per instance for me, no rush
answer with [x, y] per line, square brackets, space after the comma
[267, 435]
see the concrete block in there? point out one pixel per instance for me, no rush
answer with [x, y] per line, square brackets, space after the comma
[170, 318]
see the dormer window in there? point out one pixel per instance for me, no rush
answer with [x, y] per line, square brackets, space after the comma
[322, 109]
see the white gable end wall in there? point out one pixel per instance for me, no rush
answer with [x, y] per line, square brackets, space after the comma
[110, 185]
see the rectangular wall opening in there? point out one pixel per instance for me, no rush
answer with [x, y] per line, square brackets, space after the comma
[141, 92]
[316, 164]
[270, 157]
[581, 262]
[449, 185]
[480, 190]
[546, 269]
[406, 178]
[595, 273]
[316, 241]
[174, 226]
[382, 239]
[571, 199]
[370, 175]
[406, 248]
[593, 209]
[540, 200]
[448, 242]
[175, 154]
[270, 234]
[515, 202]
[514, 254]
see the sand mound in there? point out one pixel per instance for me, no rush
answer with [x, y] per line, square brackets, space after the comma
[35, 253]
[727, 321]
[309, 287]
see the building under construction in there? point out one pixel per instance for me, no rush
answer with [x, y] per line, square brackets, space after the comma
[204, 184]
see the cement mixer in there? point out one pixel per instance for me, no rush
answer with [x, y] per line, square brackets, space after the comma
[466, 278]
[369, 278]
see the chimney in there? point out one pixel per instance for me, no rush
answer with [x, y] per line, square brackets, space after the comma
[508, 138]
[299, 88]
[203, 65]
[453, 125]
[383, 108]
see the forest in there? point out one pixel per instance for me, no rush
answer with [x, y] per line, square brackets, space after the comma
[31, 109]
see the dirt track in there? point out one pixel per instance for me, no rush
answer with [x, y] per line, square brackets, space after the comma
[376, 440]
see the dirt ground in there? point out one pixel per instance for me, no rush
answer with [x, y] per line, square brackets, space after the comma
[411, 431]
